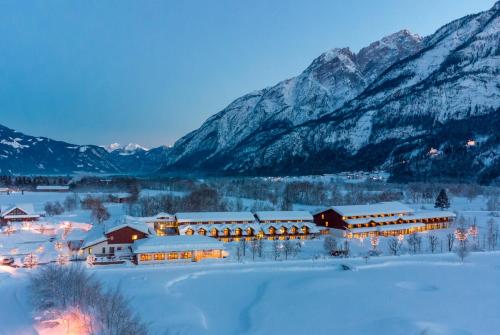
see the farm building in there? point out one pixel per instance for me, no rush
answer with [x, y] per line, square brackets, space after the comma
[385, 219]
[18, 213]
[52, 188]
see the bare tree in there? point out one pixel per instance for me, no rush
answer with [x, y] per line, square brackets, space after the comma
[54, 208]
[71, 202]
[414, 242]
[56, 290]
[394, 246]
[260, 247]
[347, 248]
[243, 244]
[492, 234]
[433, 242]
[330, 244]
[239, 252]
[450, 239]
[291, 249]
[254, 248]
[276, 249]
[462, 250]
[99, 213]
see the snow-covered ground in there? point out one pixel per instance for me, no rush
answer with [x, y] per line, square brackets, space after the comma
[425, 294]
[420, 294]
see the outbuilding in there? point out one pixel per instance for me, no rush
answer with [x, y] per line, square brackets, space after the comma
[179, 248]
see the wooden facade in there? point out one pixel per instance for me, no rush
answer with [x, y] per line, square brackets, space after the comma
[388, 223]
[125, 235]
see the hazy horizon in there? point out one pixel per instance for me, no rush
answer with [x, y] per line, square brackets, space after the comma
[90, 72]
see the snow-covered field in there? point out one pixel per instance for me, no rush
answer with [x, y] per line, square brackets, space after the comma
[419, 294]
[425, 294]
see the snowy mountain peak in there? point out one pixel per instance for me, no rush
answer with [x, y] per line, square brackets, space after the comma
[129, 148]
[112, 147]
[382, 107]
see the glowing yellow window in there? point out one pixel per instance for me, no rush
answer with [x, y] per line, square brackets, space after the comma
[322, 216]
[326, 224]
[134, 237]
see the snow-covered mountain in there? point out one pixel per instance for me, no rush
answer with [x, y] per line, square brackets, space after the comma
[129, 149]
[384, 107]
[420, 108]
[24, 154]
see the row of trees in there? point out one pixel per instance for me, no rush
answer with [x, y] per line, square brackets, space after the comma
[98, 212]
[59, 291]
[256, 248]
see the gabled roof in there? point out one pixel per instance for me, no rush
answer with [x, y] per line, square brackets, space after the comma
[94, 236]
[29, 209]
[283, 215]
[176, 243]
[214, 217]
[52, 188]
[136, 226]
[165, 216]
[393, 207]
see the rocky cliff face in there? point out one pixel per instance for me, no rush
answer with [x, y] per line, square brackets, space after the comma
[385, 107]
[333, 78]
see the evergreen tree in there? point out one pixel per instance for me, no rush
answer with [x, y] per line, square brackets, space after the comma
[442, 200]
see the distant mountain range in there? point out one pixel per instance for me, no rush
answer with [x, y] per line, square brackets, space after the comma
[420, 108]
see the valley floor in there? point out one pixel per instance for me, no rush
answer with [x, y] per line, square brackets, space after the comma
[424, 294]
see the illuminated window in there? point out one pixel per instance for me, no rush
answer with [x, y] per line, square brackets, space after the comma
[159, 257]
[322, 216]
[146, 257]
[186, 254]
[172, 255]
[134, 237]
[326, 223]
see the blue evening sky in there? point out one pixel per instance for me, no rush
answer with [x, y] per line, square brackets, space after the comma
[96, 72]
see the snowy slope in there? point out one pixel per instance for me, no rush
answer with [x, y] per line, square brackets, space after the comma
[20, 153]
[333, 78]
[384, 107]
[25, 154]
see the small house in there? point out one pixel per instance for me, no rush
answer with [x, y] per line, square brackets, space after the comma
[113, 240]
[18, 213]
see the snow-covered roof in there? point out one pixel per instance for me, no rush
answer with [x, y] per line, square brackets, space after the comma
[28, 208]
[283, 216]
[214, 217]
[256, 227]
[176, 243]
[420, 215]
[386, 228]
[76, 235]
[164, 216]
[137, 226]
[4, 189]
[52, 188]
[429, 215]
[94, 236]
[373, 209]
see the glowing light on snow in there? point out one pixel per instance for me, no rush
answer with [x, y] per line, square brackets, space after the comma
[470, 143]
[67, 323]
